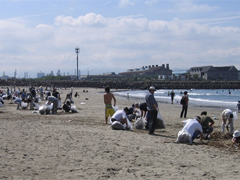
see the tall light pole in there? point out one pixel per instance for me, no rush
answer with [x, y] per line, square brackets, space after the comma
[77, 49]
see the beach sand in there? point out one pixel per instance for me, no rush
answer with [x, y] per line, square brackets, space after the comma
[81, 146]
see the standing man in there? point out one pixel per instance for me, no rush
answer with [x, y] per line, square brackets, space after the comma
[152, 107]
[184, 102]
[108, 97]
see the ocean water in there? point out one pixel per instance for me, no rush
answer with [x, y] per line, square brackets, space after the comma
[197, 97]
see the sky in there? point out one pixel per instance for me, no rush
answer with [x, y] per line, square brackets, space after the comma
[116, 35]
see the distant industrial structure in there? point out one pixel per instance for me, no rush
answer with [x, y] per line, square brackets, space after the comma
[163, 72]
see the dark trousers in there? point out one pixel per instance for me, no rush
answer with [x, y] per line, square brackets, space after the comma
[152, 121]
[184, 110]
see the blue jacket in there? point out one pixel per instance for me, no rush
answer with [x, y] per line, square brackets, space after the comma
[150, 100]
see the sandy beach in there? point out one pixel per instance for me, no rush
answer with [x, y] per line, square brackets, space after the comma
[81, 146]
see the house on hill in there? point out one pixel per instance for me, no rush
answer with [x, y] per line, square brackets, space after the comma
[224, 73]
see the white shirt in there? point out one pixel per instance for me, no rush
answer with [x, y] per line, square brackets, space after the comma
[226, 113]
[119, 115]
[192, 125]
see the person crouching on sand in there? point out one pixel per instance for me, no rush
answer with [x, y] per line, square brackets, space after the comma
[227, 115]
[54, 100]
[192, 128]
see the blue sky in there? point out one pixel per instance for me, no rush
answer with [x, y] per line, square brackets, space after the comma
[116, 35]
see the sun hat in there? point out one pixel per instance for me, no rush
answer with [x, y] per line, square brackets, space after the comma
[152, 88]
[236, 134]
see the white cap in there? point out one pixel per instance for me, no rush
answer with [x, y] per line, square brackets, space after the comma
[152, 88]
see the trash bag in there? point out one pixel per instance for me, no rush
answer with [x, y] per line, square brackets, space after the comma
[116, 125]
[235, 116]
[184, 137]
[160, 124]
[73, 109]
[115, 108]
[42, 109]
[24, 105]
[140, 123]
[59, 104]
[130, 127]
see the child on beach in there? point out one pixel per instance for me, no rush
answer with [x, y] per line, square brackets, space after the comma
[236, 137]
[108, 97]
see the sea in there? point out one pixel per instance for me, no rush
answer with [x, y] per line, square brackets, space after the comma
[220, 98]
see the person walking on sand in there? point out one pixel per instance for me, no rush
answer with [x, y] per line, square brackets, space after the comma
[184, 102]
[172, 93]
[108, 97]
[152, 107]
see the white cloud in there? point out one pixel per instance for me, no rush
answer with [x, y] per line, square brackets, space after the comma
[151, 2]
[114, 44]
[188, 6]
[125, 3]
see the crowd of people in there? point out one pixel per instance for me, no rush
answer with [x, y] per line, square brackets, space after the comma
[30, 98]
[200, 126]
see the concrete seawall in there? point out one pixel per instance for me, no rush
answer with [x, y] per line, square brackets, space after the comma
[127, 84]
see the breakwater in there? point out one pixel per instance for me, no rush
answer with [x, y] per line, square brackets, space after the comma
[116, 84]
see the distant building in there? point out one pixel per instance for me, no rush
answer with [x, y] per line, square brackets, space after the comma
[25, 75]
[163, 72]
[15, 74]
[51, 73]
[58, 73]
[40, 74]
[224, 73]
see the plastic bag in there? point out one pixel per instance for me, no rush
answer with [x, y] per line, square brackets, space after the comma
[73, 107]
[184, 137]
[117, 126]
[24, 105]
[160, 124]
[140, 123]
[42, 109]
[59, 104]
[36, 105]
[159, 116]
[130, 127]
[115, 108]
[235, 116]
